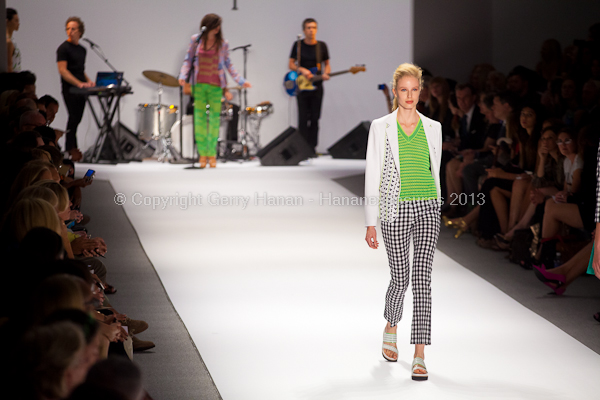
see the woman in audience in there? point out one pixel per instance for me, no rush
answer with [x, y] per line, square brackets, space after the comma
[28, 214]
[572, 167]
[439, 106]
[528, 134]
[580, 214]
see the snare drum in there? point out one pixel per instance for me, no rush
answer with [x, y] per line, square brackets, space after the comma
[148, 128]
[189, 151]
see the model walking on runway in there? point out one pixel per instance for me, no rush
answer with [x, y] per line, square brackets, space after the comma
[209, 53]
[402, 187]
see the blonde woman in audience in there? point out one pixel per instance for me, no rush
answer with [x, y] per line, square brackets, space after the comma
[31, 213]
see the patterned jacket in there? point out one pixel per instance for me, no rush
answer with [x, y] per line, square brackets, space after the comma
[224, 62]
[382, 174]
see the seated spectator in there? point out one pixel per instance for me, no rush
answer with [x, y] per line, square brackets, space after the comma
[113, 376]
[479, 75]
[28, 214]
[30, 119]
[28, 140]
[580, 214]
[52, 361]
[572, 167]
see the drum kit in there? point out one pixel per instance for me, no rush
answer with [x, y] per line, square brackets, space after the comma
[174, 133]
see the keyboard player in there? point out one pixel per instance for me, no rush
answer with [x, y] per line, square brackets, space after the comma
[70, 58]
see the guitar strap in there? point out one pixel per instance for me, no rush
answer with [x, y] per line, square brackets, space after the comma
[318, 50]
[298, 49]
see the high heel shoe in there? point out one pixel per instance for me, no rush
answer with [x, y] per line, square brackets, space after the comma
[212, 161]
[202, 162]
[556, 282]
[461, 227]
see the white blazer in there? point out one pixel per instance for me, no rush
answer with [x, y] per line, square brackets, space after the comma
[386, 127]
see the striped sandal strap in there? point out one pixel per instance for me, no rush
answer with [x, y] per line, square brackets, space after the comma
[390, 348]
[418, 363]
[389, 337]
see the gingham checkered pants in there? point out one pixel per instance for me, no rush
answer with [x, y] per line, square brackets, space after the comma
[419, 221]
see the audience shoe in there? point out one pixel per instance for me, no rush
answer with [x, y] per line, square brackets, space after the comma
[135, 326]
[141, 345]
[501, 242]
[555, 282]
[487, 244]
[109, 289]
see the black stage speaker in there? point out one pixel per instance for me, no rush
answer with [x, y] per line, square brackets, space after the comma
[289, 148]
[354, 144]
[131, 146]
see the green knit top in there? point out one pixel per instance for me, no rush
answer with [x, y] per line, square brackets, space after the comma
[416, 181]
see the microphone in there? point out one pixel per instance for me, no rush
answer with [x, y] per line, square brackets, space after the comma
[202, 29]
[92, 44]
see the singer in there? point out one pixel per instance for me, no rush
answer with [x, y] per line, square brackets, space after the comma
[404, 153]
[70, 58]
[209, 54]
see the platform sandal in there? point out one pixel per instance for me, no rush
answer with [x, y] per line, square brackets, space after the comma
[389, 338]
[418, 363]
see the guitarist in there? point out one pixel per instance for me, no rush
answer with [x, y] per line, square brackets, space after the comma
[313, 53]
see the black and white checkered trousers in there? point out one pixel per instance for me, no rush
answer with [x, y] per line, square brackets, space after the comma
[419, 221]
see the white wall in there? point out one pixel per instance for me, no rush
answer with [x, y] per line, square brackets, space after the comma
[154, 34]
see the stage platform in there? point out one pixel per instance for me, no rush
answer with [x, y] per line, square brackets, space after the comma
[268, 270]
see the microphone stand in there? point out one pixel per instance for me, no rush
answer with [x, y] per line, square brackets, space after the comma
[98, 50]
[244, 96]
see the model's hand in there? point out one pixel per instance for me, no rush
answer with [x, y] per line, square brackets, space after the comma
[371, 237]
[247, 85]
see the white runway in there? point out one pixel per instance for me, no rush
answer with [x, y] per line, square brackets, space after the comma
[286, 301]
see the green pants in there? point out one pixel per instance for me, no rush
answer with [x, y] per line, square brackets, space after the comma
[207, 134]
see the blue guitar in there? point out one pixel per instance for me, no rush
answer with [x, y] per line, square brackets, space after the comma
[293, 82]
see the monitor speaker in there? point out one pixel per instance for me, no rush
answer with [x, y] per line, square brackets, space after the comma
[354, 144]
[289, 148]
[131, 146]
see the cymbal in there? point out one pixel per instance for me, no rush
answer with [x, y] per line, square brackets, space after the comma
[161, 77]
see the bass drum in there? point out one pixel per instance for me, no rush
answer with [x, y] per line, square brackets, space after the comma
[189, 150]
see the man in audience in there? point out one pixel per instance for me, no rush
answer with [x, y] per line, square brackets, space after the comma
[522, 82]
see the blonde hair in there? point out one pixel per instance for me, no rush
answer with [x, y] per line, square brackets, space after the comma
[39, 192]
[61, 193]
[406, 69]
[30, 213]
[29, 174]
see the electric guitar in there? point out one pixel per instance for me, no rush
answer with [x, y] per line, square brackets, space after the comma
[386, 92]
[293, 82]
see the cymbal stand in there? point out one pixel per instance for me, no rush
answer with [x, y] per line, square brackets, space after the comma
[243, 131]
[164, 143]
